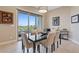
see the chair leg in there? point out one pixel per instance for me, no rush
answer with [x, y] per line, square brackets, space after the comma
[38, 48]
[57, 44]
[34, 47]
[46, 49]
[60, 38]
[23, 48]
[27, 50]
[52, 48]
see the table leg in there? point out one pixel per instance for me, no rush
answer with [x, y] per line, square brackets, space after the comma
[60, 39]
[57, 44]
[23, 47]
[34, 47]
[38, 48]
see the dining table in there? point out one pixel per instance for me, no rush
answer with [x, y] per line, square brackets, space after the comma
[35, 39]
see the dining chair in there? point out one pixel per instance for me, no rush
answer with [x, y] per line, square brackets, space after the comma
[39, 30]
[49, 41]
[57, 37]
[35, 32]
[26, 43]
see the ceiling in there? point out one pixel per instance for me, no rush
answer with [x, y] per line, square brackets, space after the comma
[49, 7]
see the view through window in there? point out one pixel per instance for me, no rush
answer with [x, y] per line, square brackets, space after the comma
[28, 22]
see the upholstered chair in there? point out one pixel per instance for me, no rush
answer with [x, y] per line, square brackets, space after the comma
[49, 41]
[26, 43]
[57, 37]
[39, 30]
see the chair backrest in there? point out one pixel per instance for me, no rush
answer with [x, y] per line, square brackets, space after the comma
[34, 32]
[51, 37]
[39, 30]
[57, 35]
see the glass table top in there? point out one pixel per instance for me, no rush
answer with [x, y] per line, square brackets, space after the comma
[36, 37]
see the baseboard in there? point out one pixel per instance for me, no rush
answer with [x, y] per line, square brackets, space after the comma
[75, 42]
[7, 42]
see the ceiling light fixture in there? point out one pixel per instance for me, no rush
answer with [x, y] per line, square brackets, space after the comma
[43, 9]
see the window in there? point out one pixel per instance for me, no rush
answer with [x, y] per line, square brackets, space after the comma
[28, 22]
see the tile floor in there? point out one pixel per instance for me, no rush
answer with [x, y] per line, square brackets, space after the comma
[66, 47]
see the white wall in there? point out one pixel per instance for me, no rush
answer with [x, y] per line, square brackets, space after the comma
[8, 31]
[75, 26]
[63, 13]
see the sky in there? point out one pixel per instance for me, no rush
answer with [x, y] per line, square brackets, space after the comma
[23, 19]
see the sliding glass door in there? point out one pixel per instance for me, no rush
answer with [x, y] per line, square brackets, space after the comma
[28, 22]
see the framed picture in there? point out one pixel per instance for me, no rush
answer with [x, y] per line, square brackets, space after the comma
[0, 17]
[6, 17]
[56, 21]
[75, 19]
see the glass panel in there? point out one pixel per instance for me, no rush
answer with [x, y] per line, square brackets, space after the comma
[37, 19]
[31, 23]
[38, 22]
[22, 21]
